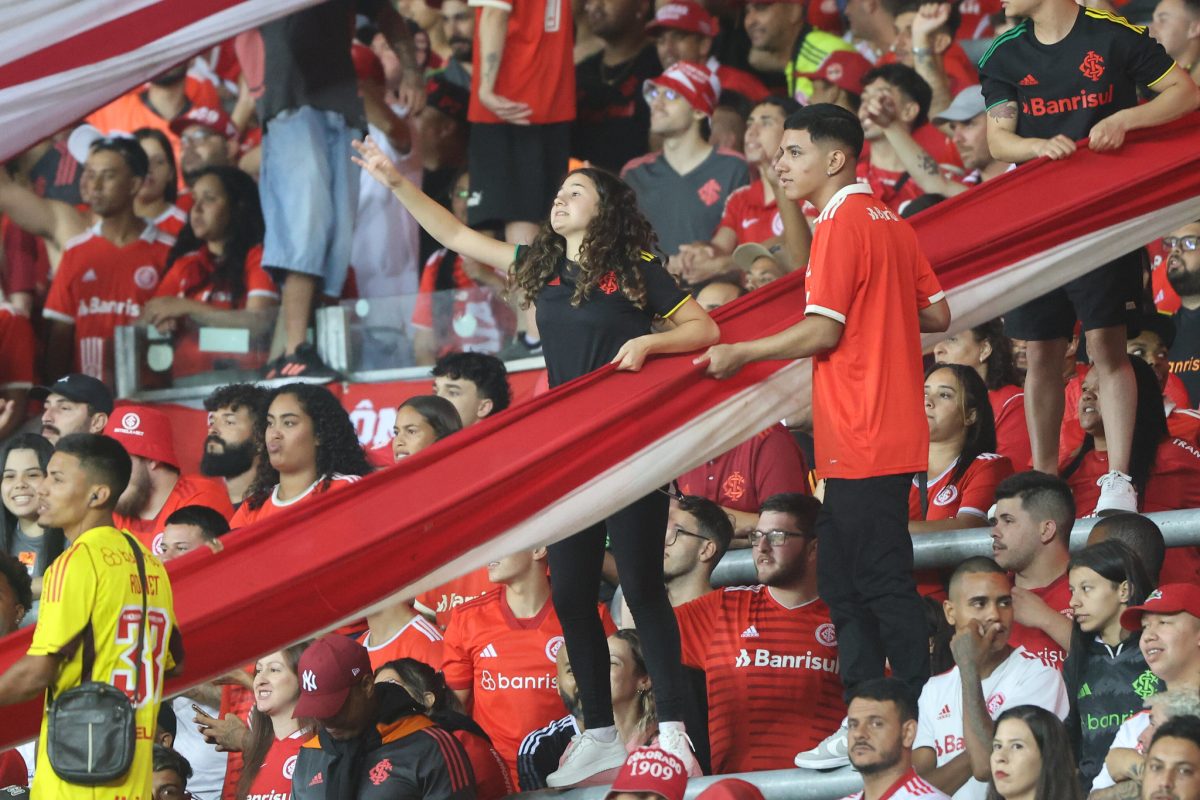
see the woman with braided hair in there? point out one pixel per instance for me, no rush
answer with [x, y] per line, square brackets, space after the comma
[307, 446]
[597, 288]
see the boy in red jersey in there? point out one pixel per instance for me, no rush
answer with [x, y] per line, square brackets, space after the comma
[870, 293]
[107, 273]
[501, 652]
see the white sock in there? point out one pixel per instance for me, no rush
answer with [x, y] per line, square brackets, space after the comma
[606, 734]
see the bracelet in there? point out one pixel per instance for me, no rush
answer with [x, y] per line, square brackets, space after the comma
[922, 51]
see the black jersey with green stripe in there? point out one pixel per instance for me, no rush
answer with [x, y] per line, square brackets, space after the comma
[1069, 86]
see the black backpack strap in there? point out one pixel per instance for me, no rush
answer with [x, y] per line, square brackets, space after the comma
[141, 567]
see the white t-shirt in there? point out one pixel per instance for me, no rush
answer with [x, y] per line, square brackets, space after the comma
[1127, 736]
[909, 786]
[385, 252]
[208, 765]
[1021, 679]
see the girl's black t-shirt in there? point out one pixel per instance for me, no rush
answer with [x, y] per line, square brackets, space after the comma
[577, 340]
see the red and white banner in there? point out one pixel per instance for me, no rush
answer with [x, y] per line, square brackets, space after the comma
[548, 467]
[62, 59]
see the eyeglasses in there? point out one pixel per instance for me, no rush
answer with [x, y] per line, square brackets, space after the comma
[1187, 243]
[673, 535]
[654, 92]
[196, 136]
[777, 538]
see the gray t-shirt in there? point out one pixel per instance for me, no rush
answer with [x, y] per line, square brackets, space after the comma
[685, 208]
[31, 552]
[307, 61]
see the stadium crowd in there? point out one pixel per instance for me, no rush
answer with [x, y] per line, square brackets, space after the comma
[373, 149]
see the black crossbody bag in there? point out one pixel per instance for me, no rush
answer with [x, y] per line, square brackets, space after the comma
[91, 729]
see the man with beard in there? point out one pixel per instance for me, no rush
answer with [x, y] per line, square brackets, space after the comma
[154, 105]
[75, 403]
[542, 750]
[769, 651]
[882, 720]
[230, 451]
[459, 21]
[1183, 273]
[698, 534]
[156, 488]
[207, 138]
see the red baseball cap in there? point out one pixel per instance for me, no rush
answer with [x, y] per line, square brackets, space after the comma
[844, 69]
[329, 669]
[650, 770]
[143, 431]
[731, 789]
[1170, 598]
[683, 15]
[215, 119]
[692, 81]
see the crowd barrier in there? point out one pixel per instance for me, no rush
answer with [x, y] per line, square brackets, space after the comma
[778, 784]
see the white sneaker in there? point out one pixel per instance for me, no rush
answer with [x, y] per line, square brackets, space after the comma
[832, 753]
[586, 756]
[678, 744]
[1116, 493]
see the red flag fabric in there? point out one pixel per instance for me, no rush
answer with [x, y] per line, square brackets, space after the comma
[546, 468]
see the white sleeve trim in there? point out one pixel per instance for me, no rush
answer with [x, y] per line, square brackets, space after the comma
[58, 316]
[935, 298]
[263, 293]
[825, 312]
[500, 4]
[974, 512]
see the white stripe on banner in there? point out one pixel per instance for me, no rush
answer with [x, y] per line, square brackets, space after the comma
[27, 26]
[31, 111]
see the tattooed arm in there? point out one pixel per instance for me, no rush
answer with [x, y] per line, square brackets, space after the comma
[493, 27]
[921, 167]
[1006, 145]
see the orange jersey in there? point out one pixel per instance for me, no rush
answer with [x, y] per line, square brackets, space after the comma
[540, 40]
[972, 494]
[191, 277]
[771, 671]
[19, 347]
[245, 515]
[99, 287]
[509, 666]
[867, 272]
[443, 600]
[419, 639]
[190, 490]
[273, 781]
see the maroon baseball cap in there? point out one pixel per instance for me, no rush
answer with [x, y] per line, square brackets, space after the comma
[844, 69]
[683, 15]
[1170, 598]
[731, 789]
[215, 119]
[649, 770]
[329, 669]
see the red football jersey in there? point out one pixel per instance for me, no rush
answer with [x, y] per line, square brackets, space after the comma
[274, 778]
[1012, 434]
[894, 189]
[1057, 595]
[509, 666]
[867, 271]
[1166, 299]
[100, 286]
[443, 600]
[539, 41]
[1184, 423]
[768, 463]
[171, 221]
[972, 494]
[245, 515]
[19, 347]
[191, 277]
[492, 778]
[190, 490]
[771, 672]
[1174, 482]
[751, 213]
[419, 639]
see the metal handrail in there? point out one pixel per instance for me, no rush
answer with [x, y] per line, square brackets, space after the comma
[777, 784]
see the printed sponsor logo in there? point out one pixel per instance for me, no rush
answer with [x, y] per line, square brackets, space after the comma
[761, 657]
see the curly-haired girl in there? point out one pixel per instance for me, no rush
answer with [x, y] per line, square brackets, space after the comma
[597, 289]
[307, 445]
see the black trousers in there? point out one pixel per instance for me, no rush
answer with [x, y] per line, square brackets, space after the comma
[865, 576]
[635, 535]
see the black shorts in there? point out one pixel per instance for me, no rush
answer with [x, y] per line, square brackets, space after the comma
[515, 171]
[1103, 298]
